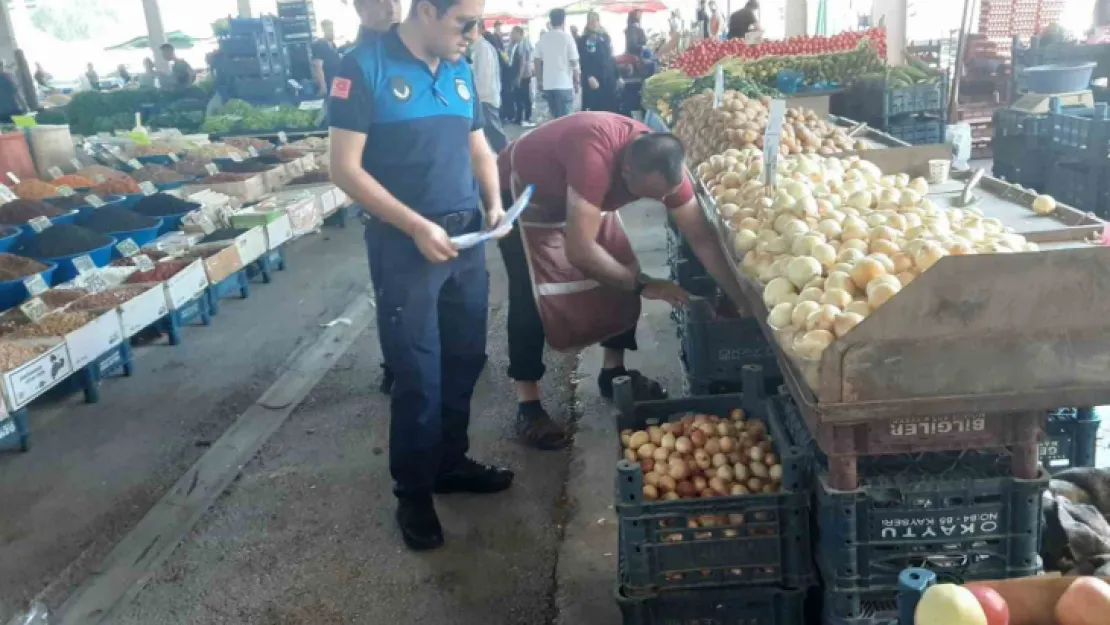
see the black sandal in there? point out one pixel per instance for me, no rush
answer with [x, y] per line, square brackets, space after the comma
[643, 387]
[541, 432]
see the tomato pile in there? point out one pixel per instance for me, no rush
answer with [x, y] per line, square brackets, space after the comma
[702, 56]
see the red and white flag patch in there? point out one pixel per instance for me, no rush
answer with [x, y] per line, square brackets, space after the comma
[341, 88]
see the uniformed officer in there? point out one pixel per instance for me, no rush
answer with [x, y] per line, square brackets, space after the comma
[407, 144]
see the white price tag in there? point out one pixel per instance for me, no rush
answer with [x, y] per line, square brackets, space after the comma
[212, 169]
[84, 264]
[35, 285]
[235, 158]
[100, 179]
[284, 138]
[173, 157]
[127, 248]
[134, 163]
[94, 201]
[719, 87]
[143, 262]
[772, 138]
[38, 224]
[6, 193]
[35, 309]
[65, 191]
[148, 188]
[252, 151]
[13, 178]
[55, 172]
[205, 224]
[96, 283]
[76, 163]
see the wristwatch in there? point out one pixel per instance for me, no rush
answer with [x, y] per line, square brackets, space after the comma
[642, 281]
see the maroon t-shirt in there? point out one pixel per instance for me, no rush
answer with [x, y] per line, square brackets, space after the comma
[580, 151]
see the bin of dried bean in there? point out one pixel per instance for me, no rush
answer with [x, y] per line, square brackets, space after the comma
[13, 355]
[117, 186]
[18, 212]
[93, 171]
[163, 205]
[57, 323]
[61, 240]
[73, 181]
[107, 299]
[154, 255]
[244, 143]
[112, 219]
[60, 298]
[32, 189]
[162, 271]
[157, 174]
[13, 267]
[192, 167]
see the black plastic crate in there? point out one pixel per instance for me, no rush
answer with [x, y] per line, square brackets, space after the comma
[1014, 123]
[717, 347]
[917, 130]
[741, 540]
[875, 606]
[1082, 135]
[1070, 439]
[877, 100]
[1082, 186]
[1018, 162]
[714, 606]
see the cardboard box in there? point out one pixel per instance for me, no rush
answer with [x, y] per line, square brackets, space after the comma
[33, 378]
[253, 216]
[251, 244]
[186, 285]
[248, 190]
[278, 232]
[144, 309]
[89, 342]
[275, 178]
[219, 263]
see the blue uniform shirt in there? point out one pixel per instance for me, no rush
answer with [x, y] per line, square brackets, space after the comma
[418, 123]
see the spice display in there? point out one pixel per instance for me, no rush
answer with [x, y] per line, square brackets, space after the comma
[61, 240]
[73, 181]
[216, 150]
[117, 186]
[192, 166]
[13, 355]
[311, 177]
[161, 272]
[67, 202]
[107, 299]
[163, 204]
[14, 267]
[110, 218]
[21, 211]
[290, 152]
[54, 324]
[223, 177]
[156, 174]
[157, 148]
[223, 234]
[243, 143]
[93, 171]
[154, 255]
[32, 189]
[251, 166]
[60, 298]
[312, 144]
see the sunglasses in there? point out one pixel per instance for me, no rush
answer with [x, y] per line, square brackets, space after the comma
[469, 25]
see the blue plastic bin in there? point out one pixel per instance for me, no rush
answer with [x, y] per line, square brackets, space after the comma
[13, 292]
[1058, 78]
[173, 222]
[68, 218]
[65, 271]
[141, 236]
[170, 186]
[130, 200]
[8, 237]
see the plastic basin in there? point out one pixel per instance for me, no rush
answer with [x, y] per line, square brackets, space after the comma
[68, 218]
[130, 200]
[9, 235]
[1058, 78]
[170, 186]
[173, 222]
[13, 292]
[65, 272]
[157, 159]
[141, 236]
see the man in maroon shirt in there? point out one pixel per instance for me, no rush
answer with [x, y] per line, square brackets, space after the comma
[584, 167]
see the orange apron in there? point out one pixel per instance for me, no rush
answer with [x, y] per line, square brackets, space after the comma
[576, 310]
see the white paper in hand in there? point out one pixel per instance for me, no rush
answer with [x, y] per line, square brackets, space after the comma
[471, 239]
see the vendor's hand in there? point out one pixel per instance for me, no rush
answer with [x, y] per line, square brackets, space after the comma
[592, 81]
[433, 243]
[494, 218]
[667, 291]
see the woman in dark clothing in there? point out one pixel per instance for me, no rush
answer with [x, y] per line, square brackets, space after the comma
[634, 37]
[599, 68]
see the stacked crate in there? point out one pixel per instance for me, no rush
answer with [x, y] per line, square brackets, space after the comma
[1070, 439]
[716, 341]
[915, 113]
[298, 22]
[935, 493]
[1080, 141]
[729, 559]
[252, 61]
[1022, 146]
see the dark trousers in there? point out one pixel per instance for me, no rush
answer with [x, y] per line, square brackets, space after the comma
[432, 327]
[604, 98]
[518, 106]
[526, 335]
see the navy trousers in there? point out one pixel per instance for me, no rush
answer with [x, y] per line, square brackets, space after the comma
[432, 327]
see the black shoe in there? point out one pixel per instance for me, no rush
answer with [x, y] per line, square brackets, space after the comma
[643, 387]
[473, 477]
[386, 386]
[420, 528]
[536, 428]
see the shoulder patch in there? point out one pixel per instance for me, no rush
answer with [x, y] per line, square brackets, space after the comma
[341, 88]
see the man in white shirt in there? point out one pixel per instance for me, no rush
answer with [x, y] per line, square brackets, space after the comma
[486, 65]
[557, 75]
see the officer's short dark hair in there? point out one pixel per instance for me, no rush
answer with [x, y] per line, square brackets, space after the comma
[657, 153]
[558, 17]
[167, 46]
[441, 6]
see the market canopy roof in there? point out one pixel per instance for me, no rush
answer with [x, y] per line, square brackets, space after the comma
[175, 38]
[613, 6]
[507, 19]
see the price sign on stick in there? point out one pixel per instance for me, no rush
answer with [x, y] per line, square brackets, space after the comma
[55, 172]
[94, 201]
[84, 264]
[75, 162]
[134, 163]
[127, 248]
[65, 191]
[771, 140]
[235, 158]
[212, 169]
[35, 285]
[35, 309]
[143, 262]
[6, 194]
[719, 87]
[38, 224]
[252, 151]
[148, 188]
[13, 178]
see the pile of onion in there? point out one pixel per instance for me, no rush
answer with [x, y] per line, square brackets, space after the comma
[835, 239]
[704, 456]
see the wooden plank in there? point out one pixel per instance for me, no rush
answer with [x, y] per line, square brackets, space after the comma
[136, 558]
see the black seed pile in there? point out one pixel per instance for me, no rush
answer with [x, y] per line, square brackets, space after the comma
[108, 219]
[163, 204]
[223, 234]
[67, 202]
[61, 240]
